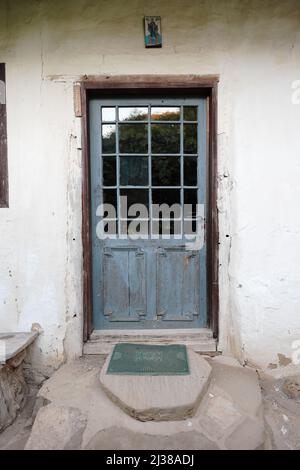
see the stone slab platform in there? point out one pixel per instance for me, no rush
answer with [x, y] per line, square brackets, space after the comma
[79, 415]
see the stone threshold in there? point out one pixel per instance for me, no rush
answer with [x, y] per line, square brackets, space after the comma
[198, 339]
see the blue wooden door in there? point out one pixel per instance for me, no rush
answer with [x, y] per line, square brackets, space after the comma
[149, 271]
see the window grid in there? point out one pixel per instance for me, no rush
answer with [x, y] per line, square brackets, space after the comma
[118, 187]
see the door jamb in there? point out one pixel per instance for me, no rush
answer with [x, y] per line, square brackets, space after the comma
[150, 83]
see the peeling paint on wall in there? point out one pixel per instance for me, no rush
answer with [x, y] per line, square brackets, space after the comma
[255, 48]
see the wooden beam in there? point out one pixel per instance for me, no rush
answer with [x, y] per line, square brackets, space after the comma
[77, 101]
[3, 141]
[153, 82]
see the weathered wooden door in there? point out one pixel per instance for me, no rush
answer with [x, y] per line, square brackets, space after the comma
[151, 152]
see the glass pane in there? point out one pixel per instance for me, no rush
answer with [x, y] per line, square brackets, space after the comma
[165, 171]
[190, 138]
[133, 138]
[134, 227]
[190, 113]
[109, 171]
[130, 197]
[165, 138]
[134, 171]
[190, 227]
[164, 113]
[190, 171]
[111, 227]
[108, 138]
[133, 114]
[166, 227]
[190, 203]
[109, 114]
[169, 197]
[110, 197]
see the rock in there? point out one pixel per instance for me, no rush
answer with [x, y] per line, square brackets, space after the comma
[57, 428]
[282, 416]
[248, 435]
[159, 398]
[220, 414]
[225, 360]
[39, 403]
[13, 390]
[116, 438]
[239, 383]
[232, 400]
[14, 436]
[291, 387]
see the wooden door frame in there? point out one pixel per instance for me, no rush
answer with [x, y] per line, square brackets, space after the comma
[193, 84]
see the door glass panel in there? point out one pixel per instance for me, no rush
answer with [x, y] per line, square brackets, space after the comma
[109, 171]
[165, 171]
[190, 113]
[190, 171]
[110, 197]
[169, 197]
[165, 138]
[166, 227]
[164, 113]
[133, 227]
[133, 114]
[108, 114]
[133, 138]
[190, 199]
[190, 138]
[190, 226]
[134, 196]
[134, 171]
[108, 138]
[172, 145]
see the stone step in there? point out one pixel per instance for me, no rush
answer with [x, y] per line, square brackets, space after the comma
[159, 397]
[199, 340]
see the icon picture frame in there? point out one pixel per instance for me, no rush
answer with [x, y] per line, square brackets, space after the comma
[153, 35]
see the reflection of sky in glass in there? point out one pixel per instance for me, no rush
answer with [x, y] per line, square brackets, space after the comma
[108, 130]
[109, 114]
[140, 113]
[133, 114]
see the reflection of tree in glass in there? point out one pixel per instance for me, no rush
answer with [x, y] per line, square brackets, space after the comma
[165, 171]
[137, 115]
[109, 138]
[165, 138]
[133, 138]
[190, 138]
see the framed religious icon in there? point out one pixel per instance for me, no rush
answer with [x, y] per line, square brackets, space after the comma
[153, 31]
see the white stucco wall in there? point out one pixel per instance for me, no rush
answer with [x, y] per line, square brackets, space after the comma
[255, 48]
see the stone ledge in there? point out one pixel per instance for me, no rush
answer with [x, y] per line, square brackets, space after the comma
[11, 344]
